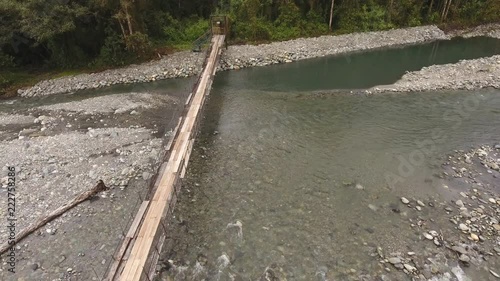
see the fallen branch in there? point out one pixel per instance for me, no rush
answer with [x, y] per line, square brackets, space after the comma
[56, 213]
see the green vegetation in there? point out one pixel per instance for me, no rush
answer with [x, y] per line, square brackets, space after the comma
[55, 35]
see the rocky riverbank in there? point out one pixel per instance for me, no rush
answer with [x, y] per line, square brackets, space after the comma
[464, 75]
[181, 64]
[470, 238]
[490, 30]
[61, 150]
[185, 64]
[237, 57]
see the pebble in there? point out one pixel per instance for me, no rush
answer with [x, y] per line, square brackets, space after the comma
[463, 227]
[420, 203]
[394, 260]
[428, 236]
[408, 267]
[404, 200]
[494, 274]
[492, 200]
[459, 249]
[459, 203]
[474, 237]
[372, 207]
[464, 258]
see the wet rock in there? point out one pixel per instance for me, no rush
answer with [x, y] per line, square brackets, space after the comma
[273, 273]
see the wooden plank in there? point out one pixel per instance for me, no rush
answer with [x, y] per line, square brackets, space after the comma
[118, 260]
[137, 220]
[186, 160]
[119, 256]
[178, 158]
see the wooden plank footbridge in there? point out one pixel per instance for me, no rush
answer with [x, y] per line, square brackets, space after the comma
[136, 258]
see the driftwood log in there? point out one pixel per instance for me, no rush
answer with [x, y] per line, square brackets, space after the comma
[56, 213]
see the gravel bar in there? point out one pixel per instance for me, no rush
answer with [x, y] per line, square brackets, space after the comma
[464, 75]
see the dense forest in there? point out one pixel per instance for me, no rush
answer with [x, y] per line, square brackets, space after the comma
[72, 34]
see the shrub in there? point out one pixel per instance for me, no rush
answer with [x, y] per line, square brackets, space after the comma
[138, 43]
[369, 18]
[6, 61]
[113, 52]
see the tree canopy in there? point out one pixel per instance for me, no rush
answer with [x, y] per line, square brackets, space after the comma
[81, 33]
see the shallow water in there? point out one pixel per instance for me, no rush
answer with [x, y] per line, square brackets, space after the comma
[273, 176]
[282, 164]
[358, 70]
[179, 87]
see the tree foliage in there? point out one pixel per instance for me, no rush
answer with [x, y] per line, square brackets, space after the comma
[74, 33]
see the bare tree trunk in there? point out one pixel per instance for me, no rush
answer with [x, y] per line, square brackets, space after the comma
[331, 16]
[312, 5]
[123, 29]
[56, 213]
[430, 8]
[129, 22]
[445, 3]
[447, 9]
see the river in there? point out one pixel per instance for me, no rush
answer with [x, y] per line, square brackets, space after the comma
[295, 171]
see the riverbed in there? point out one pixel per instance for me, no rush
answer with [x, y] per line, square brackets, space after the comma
[299, 175]
[62, 146]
